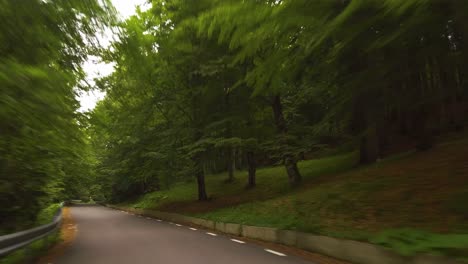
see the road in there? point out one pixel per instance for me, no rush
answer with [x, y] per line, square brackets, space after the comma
[111, 236]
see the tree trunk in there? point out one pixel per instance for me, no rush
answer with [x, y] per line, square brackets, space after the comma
[369, 147]
[197, 157]
[202, 196]
[280, 122]
[383, 137]
[201, 187]
[289, 160]
[231, 164]
[424, 131]
[292, 170]
[252, 169]
[231, 150]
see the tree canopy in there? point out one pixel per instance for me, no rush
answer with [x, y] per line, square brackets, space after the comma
[207, 86]
[43, 150]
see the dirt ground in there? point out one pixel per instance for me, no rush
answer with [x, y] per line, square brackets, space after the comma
[68, 232]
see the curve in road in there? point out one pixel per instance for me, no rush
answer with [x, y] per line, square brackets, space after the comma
[111, 236]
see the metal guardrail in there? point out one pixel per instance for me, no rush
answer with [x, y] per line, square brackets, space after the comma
[12, 242]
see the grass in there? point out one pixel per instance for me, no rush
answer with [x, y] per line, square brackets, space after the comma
[409, 241]
[38, 247]
[47, 214]
[412, 202]
[271, 182]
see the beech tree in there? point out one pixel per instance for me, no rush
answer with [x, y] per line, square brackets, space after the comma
[210, 86]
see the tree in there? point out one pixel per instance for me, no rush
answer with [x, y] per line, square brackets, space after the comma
[42, 145]
[208, 86]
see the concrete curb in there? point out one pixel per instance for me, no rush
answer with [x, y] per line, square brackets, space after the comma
[261, 233]
[348, 250]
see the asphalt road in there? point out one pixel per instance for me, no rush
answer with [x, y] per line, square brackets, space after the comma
[111, 236]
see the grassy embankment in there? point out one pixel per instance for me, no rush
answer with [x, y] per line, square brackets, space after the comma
[37, 248]
[412, 202]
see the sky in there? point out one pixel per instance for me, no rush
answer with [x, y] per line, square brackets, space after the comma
[93, 67]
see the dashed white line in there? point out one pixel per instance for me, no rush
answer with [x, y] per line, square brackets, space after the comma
[178, 225]
[275, 252]
[238, 241]
[159, 220]
[194, 229]
[148, 218]
[211, 234]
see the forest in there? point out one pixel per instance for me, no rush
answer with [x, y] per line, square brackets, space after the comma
[210, 86]
[44, 151]
[202, 87]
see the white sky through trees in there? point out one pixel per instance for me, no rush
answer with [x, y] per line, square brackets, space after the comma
[93, 68]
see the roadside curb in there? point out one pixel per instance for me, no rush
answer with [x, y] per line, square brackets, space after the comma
[348, 250]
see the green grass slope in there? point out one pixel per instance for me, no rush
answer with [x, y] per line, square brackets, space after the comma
[271, 182]
[413, 202]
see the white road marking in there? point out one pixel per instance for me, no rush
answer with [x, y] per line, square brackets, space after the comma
[159, 220]
[275, 252]
[238, 241]
[178, 225]
[148, 218]
[211, 234]
[194, 229]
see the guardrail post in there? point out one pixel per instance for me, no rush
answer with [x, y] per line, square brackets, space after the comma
[45, 241]
[27, 254]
